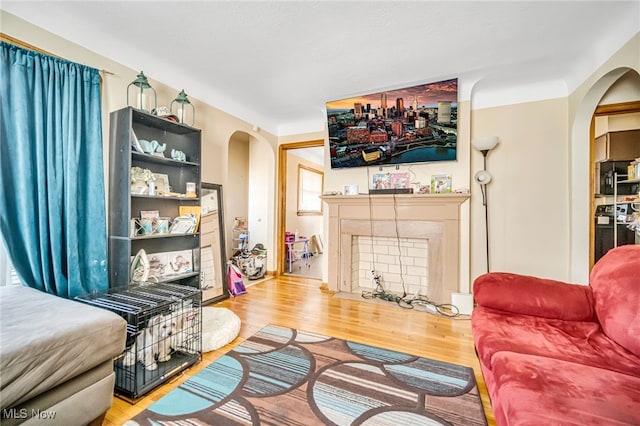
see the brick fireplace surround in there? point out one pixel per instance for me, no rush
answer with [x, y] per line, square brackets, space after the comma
[434, 218]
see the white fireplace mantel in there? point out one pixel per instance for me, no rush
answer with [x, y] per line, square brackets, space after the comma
[433, 217]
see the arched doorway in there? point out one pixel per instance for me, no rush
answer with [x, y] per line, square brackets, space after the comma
[250, 191]
[617, 120]
[581, 178]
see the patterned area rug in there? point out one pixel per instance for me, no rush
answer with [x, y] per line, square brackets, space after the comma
[283, 376]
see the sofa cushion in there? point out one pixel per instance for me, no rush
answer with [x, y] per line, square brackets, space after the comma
[524, 294]
[536, 390]
[48, 340]
[615, 281]
[575, 341]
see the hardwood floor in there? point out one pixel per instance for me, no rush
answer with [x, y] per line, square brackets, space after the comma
[300, 303]
[311, 270]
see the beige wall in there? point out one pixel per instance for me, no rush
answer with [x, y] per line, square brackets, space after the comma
[528, 196]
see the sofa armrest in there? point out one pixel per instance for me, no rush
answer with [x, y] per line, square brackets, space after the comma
[527, 295]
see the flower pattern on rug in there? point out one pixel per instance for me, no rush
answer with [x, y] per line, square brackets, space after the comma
[291, 377]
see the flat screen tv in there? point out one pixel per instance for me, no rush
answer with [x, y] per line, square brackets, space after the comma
[416, 124]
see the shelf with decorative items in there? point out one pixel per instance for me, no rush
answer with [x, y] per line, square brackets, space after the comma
[240, 238]
[154, 199]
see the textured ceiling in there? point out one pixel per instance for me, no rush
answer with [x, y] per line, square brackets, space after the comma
[275, 64]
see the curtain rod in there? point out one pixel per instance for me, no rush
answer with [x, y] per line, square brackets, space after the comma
[20, 43]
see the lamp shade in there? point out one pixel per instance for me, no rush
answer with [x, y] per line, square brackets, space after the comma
[485, 144]
[483, 177]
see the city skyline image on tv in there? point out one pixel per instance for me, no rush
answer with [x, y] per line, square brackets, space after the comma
[417, 124]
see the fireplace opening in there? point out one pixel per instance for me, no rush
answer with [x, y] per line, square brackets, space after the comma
[402, 264]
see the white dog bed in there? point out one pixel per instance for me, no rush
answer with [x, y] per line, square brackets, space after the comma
[220, 326]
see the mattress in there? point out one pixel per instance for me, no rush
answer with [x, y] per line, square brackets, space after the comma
[46, 340]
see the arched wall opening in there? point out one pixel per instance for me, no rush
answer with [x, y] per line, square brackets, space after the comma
[580, 163]
[250, 191]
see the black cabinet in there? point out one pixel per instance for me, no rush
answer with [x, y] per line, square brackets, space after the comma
[604, 238]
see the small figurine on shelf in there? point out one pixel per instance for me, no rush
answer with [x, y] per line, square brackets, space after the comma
[178, 155]
[164, 112]
[153, 147]
[159, 150]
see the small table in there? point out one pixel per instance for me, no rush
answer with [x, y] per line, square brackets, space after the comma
[291, 250]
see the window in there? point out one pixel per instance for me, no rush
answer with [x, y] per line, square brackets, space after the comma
[310, 187]
[8, 275]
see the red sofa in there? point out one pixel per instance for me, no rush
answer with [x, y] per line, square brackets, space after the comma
[554, 353]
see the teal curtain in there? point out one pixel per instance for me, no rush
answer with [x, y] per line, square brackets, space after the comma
[52, 207]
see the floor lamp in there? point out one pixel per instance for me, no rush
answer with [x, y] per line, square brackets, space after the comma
[483, 177]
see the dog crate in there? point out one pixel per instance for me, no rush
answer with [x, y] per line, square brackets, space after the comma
[164, 333]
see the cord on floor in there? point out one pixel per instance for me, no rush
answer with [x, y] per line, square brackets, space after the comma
[444, 309]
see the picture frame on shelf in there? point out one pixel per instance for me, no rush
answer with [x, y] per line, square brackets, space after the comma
[158, 263]
[400, 180]
[184, 224]
[180, 262]
[147, 222]
[167, 264]
[195, 211]
[162, 183]
[381, 181]
[440, 184]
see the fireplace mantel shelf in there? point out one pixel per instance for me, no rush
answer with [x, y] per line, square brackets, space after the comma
[453, 197]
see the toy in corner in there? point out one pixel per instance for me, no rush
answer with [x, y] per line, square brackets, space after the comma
[234, 280]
